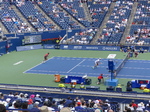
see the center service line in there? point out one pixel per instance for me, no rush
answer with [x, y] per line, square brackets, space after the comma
[76, 65]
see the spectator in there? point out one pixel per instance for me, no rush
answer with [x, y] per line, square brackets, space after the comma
[30, 103]
[24, 105]
[11, 94]
[8, 102]
[131, 107]
[35, 107]
[139, 108]
[78, 106]
[3, 108]
[68, 102]
[44, 109]
[66, 109]
[134, 104]
[60, 106]
[38, 98]
[17, 105]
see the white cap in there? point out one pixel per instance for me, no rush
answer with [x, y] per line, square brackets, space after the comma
[8, 99]
[37, 95]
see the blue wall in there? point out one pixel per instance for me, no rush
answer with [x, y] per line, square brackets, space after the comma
[50, 35]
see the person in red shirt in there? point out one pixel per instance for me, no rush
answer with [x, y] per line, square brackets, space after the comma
[136, 54]
[100, 78]
[45, 57]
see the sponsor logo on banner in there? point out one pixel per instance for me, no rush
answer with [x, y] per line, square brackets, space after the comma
[31, 47]
[49, 46]
[92, 47]
[110, 48]
[24, 48]
[2, 47]
[65, 46]
[77, 47]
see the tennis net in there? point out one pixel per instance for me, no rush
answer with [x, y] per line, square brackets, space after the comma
[122, 64]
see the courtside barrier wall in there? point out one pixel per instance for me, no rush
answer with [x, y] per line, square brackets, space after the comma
[90, 47]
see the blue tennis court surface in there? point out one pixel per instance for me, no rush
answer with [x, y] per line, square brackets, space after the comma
[71, 66]
[136, 69]
[83, 66]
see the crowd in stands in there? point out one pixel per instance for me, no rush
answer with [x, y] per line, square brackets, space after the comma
[61, 13]
[140, 30]
[114, 29]
[37, 103]
[11, 19]
[58, 15]
[23, 102]
[98, 10]
[85, 36]
[75, 8]
[34, 16]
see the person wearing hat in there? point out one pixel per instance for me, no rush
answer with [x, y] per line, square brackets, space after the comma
[73, 85]
[119, 88]
[139, 108]
[44, 109]
[97, 62]
[82, 86]
[38, 98]
[100, 78]
[78, 107]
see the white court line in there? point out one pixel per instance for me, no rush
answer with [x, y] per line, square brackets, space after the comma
[37, 65]
[76, 65]
[18, 63]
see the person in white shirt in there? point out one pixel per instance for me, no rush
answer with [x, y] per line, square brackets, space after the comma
[97, 62]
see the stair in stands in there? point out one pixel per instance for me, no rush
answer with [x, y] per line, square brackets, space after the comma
[4, 30]
[103, 23]
[22, 17]
[46, 16]
[127, 30]
[72, 18]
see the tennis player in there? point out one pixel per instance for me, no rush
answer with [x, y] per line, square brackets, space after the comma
[46, 57]
[97, 62]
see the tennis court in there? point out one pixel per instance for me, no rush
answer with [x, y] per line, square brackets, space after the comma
[83, 66]
[25, 68]
[72, 66]
[135, 69]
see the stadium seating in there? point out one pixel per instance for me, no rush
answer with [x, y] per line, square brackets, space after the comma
[38, 98]
[83, 36]
[34, 16]
[111, 33]
[114, 29]
[98, 11]
[75, 9]
[58, 16]
[139, 33]
[11, 20]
